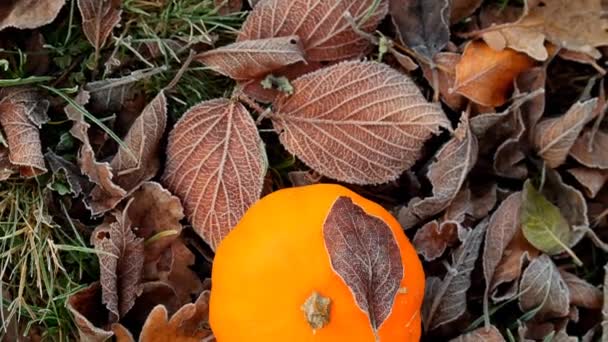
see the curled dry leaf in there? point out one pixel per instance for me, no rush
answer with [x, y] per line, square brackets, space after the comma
[489, 334]
[188, 324]
[543, 289]
[250, 59]
[326, 33]
[591, 149]
[358, 122]
[592, 180]
[486, 76]
[22, 112]
[99, 17]
[29, 14]
[216, 164]
[374, 279]
[433, 238]
[88, 316]
[446, 74]
[141, 162]
[446, 300]
[121, 262]
[447, 174]
[422, 25]
[554, 137]
[582, 293]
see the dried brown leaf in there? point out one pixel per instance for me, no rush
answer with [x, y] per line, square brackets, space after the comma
[555, 136]
[433, 238]
[490, 334]
[358, 122]
[216, 164]
[22, 112]
[467, 204]
[591, 149]
[422, 25]
[542, 288]
[177, 271]
[447, 174]
[486, 76]
[250, 59]
[446, 300]
[89, 314]
[121, 264]
[70, 171]
[592, 180]
[28, 14]
[462, 9]
[374, 279]
[188, 324]
[99, 17]
[446, 74]
[582, 293]
[326, 33]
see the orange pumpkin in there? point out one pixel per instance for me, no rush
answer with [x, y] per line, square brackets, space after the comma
[291, 271]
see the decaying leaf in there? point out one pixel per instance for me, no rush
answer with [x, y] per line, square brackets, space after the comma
[88, 317]
[447, 174]
[543, 289]
[582, 293]
[99, 17]
[216, 164]
[433, 238]
[422, 25]
[445, 63]
[592, 180]
[486, 76]
[349, 234]
[28, 14]
[591, 149]
[555, 136]
[326, 33]
[188, 324]
[22, 112]
[445, 300]
[490, 334]
[121, 264]
[358, 122]
[250, 59]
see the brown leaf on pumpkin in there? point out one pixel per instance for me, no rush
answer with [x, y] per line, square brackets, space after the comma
[447, 174]
[422, 25]
[486, 76]
[28, 14]
[326, 33]
[592, 180]
[489, 334]
[121, 262]
[358, 122]
[250, 59]
[228, 6]
[543, 288]
[433, 238]
[216, 164]
[591, 150]
[99, 17]
[89, 314]
[555, 136]
[582, 293]
[141, 162]
[446, 74]
[188, 324]
[22, 112]
[349, 234]
[446, 300]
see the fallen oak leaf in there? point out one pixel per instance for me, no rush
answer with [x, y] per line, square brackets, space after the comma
[251, 59]
[358, 122]
[216, 164]
[99, 17]
[591, 150]
[29, 14]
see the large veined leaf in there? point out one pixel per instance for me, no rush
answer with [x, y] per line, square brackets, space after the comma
[216, 164]
[326, 33]
[99, 17]
[358, 122]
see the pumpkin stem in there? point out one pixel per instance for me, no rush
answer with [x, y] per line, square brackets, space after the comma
[316, 310]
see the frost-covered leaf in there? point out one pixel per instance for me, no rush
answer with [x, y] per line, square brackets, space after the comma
[433, 238]
[60, 166]
[582, 293]
[489, 334]
[422, 25]
[591, 149]
[543, 289]
[592, 180]
[22, 112]
[326, 33]
[89, 314]
[447, 174]
[350, 234]
[445, 300]
[445, 70]
[555, 136]
[28, 14]
[250, 59]
[99, 17]
[358, 122]
[216, 164]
